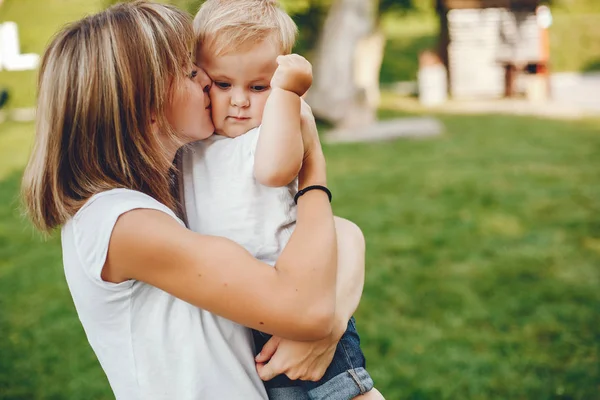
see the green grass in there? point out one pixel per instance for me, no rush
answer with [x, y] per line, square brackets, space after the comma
[483, 259]
[482, 277]
[15, 142]
[37, 21]
[483, 246]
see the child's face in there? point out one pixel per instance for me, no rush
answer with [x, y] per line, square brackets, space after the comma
[241, 86]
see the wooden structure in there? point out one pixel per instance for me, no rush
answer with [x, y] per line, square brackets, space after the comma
[486, 43]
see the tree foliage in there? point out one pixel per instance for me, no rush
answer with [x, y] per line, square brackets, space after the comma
[310, 15]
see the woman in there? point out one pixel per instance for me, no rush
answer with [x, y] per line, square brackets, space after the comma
[118, 95]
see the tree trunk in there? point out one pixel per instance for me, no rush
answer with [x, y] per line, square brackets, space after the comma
[346, 66]
[368, 58]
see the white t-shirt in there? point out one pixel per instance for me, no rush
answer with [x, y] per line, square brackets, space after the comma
[222, 197]
[150, 344]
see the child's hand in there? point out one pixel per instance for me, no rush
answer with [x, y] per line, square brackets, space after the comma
[294, 74]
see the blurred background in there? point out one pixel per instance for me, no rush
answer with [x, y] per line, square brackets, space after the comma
[462, 136]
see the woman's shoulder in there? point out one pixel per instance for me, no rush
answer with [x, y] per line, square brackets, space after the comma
[115, 197]
[115, 202]
[86, 236]
[94, 222]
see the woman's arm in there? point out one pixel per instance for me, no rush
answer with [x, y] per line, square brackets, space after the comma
[351, 273]
[309, 360]
[296, 299]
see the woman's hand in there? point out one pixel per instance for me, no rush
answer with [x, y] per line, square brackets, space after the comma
[307, 361]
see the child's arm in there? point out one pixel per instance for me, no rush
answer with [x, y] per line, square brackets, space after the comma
[279, 151]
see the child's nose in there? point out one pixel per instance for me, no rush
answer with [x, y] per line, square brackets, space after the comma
[239, 99]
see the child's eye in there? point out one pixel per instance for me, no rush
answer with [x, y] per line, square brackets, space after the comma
[259, 88]
[222, 85]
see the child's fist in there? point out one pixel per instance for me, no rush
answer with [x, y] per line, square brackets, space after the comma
[293, 73]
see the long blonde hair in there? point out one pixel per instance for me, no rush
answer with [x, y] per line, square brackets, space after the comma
[105, 83]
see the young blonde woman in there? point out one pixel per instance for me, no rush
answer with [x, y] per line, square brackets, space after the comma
[118, 95]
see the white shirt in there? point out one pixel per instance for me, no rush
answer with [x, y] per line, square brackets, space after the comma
[222, 197]
[151, 345]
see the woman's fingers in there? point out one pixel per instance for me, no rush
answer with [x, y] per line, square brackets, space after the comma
[268, 371]
[268, 350]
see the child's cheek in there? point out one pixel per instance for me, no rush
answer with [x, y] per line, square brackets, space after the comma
[218, 102]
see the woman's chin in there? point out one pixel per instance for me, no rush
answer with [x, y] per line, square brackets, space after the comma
[208, 130]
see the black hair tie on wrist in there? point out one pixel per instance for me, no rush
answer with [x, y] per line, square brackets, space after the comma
[309, 188]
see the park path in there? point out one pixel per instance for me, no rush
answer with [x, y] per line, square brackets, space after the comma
[573, 96]
[578, 90]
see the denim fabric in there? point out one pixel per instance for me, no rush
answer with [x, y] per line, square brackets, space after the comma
[287, 393]
[345, 378]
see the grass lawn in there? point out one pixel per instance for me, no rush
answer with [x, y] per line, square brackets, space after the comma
[483, 246]
[483, 266]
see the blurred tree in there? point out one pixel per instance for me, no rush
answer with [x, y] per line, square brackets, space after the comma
[347, 62]
[335, 95]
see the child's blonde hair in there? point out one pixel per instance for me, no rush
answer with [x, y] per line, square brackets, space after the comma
[104, 86]
[223, 26]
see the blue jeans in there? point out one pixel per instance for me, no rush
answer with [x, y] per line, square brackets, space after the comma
[345, 378]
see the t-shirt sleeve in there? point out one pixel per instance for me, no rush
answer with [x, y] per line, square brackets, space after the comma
[94, 223]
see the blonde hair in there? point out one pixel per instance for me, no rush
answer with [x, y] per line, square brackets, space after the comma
[223, 26]
[103, 83]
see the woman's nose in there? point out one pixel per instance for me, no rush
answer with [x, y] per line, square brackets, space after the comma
[204, 80]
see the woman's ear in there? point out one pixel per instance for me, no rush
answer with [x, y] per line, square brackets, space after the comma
[154, 124]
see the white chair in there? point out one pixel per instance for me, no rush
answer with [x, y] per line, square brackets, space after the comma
[11, 58]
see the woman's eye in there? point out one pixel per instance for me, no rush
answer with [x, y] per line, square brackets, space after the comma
[222, 85]
[193, 74]
[259, 88]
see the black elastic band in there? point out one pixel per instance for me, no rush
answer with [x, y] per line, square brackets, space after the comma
[313, 187]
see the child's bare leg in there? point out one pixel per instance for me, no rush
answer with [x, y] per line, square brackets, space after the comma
[372, 394]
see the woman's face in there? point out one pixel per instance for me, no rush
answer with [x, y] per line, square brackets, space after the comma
[189, 112]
